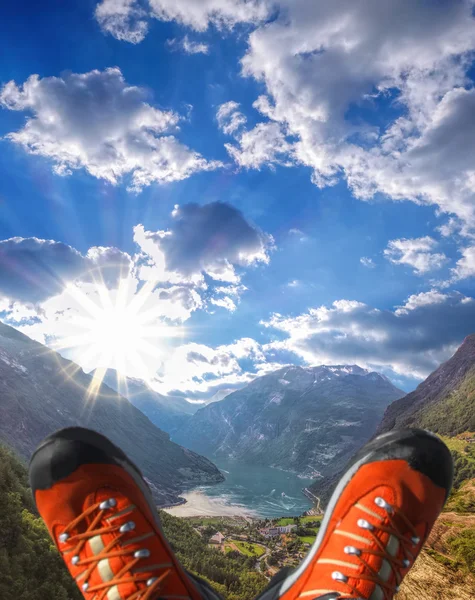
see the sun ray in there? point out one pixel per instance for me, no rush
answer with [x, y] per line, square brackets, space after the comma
[119, 329]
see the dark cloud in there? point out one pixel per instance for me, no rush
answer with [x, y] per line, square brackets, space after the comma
[32, 269]
[196, 357]
[203, 237]
[412, 340]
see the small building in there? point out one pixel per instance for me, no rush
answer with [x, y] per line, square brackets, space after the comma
[270, 532]
[217, 538]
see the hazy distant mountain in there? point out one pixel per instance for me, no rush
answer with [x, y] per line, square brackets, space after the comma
[308, 420]
[220, 395]
[170, 413]
[40, 392]
[444, 402]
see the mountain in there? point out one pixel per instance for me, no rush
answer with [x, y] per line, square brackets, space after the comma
[444, 402]
[308, 420]
[219, 395]
[40, 392]
[170, 413]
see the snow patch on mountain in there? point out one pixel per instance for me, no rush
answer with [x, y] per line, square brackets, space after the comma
[11, 362]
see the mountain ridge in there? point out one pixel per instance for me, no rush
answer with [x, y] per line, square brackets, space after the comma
[168, 413]
[302, 419]
[419, 408]
[40, 391]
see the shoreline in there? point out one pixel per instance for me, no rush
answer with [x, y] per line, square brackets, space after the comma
[180, 502]
[197, 504]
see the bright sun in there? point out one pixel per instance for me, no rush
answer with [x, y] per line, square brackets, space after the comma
[118, 329]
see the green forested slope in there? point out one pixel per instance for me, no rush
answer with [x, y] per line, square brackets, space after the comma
[30, 567]
[452, 414]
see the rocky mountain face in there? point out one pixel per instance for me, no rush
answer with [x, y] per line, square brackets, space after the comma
[170, 413]
[308, 420]
[41, 392]
[444, 402]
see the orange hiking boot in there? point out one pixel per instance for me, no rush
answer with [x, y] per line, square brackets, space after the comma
[102, 517]
[376, 522]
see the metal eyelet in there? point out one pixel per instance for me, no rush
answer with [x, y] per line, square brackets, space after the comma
[415, 540]
[110, 503]
[144, 553]
[129, 526]
[75, 560]
[63, 537]
[352, 550]
[151, 581]
[85, 587]
[381, 502]
[364, 524]
[339, 576]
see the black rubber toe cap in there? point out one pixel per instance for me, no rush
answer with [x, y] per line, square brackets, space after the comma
[424, 452]
[61, 453]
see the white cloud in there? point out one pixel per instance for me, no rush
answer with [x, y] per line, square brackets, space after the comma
[124, 19]
[416, 253]
[197, 371]
[225, 302]
[319, 60]
[128, 19]
[98, 122]
[295, 283]
[427, 163]
[231, 290]
[465, 266]
[17, 312]
[264, 145]
[188, 46]
[230, 118]
[302, 237]
[367, 262]
[422, 299]
[322, 62]
[449, 228]
[404, 341]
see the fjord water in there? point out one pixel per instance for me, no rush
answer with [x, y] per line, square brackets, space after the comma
[265, 491]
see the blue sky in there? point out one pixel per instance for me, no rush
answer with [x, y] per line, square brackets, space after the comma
[335, 142]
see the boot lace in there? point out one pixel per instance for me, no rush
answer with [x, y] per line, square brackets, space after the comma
[153, 584]
[407, 545]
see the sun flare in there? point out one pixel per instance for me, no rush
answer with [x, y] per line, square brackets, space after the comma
[120, 329]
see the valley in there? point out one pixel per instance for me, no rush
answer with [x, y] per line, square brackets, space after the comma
[245, 516]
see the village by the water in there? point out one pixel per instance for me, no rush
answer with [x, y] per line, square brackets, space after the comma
[272, 543]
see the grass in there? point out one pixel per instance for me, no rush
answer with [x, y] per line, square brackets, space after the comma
[440, 558]
[306, 539]
[249, 548]
[206, 521]
[290, 521]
